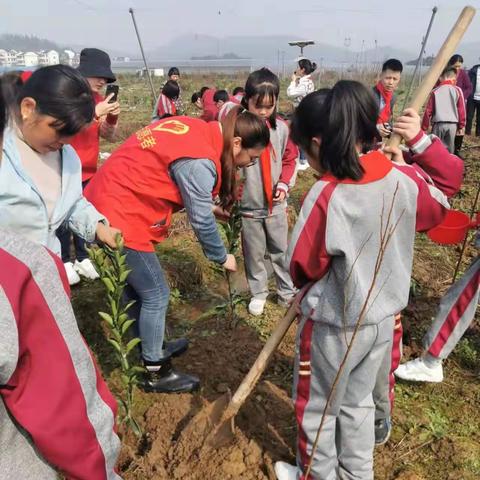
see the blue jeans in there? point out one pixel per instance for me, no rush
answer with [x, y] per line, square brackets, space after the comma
[147, 285]
[302, 158]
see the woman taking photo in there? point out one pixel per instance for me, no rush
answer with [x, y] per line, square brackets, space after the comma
[40, 175]
[171, 164]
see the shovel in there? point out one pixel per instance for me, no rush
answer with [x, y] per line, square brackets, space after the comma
[213, 426]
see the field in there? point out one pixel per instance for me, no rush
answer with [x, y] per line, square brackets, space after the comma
[436, 434]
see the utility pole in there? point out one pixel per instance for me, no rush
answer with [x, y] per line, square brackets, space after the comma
[143, 55]
[420, 56]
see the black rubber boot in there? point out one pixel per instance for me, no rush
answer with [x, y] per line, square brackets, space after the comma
[458, 145]
[161, 377]
[176, 347]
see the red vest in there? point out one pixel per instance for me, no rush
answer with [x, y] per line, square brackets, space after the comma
[134, 190]
[87, 145]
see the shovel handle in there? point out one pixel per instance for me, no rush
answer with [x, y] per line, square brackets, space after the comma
[249, 382]
[444, 54]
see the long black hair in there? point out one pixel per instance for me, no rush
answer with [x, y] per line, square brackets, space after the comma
[171, 89]
[263, 84]
[308, 66]
[343, 117]
[59, 91]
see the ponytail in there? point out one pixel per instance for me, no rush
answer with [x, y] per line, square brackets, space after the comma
[306, 65]
[254, 134]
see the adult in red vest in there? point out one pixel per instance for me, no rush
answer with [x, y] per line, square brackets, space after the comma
[168, 165]
[95, 67]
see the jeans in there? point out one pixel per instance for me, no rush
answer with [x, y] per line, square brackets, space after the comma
[147, 285]
[65, 237]
[302, 159]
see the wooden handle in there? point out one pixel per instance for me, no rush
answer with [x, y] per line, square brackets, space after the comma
[444, 54]
[249, 382]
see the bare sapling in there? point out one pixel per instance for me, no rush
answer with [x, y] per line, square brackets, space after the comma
[387, 230]
[113, 270]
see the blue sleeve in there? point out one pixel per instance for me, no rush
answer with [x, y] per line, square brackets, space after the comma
[196, 180]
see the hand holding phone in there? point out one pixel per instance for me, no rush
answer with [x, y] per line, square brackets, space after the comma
[111, 88]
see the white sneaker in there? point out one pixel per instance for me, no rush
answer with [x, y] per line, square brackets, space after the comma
[86, 269]
[256, 306]
[417, 371]
[72, 275]
[303, 166]
[285, 471]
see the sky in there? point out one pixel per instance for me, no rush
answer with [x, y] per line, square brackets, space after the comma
[107, 23]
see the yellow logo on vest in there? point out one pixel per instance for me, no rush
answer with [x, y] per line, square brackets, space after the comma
[172, 126]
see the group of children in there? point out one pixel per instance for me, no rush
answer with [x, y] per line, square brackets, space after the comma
[349, 260]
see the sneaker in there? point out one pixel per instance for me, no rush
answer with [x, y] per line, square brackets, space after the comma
[86, 269]
[72, 275]
[285, 471]
[303, 166]
[383, 429]
[256, 306]
[417, 371]
[285, 302]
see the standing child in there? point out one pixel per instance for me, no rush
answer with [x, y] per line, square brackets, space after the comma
[360, 198]
[174, 76]
[384, 92]
[166, 106]
[446, 110]
[264, 199]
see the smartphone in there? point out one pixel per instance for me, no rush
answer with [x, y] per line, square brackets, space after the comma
[111, 88]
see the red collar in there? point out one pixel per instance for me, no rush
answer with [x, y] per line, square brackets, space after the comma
[448, 82]
[375, 164]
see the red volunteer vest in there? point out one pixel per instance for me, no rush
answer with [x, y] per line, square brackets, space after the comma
[87, 145]
[134, 190]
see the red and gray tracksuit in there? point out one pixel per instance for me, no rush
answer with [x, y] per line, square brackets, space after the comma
[165, 107]
[332, 256]
[448, 180]
[265, 223]
[56, 412]
[446, 111]
[456, 312]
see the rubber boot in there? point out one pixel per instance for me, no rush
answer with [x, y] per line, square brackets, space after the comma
[458, 145]
[161, 377]
[176, 347]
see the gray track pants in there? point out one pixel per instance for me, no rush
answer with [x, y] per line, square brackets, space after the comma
[446, 132]
[345, 448]
[261, 236]
[455, 314]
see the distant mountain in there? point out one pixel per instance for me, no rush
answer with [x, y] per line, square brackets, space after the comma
[25, 43]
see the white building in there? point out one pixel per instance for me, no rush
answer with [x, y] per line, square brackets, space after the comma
[27, 59]
[42, 58]
[68, 57]
[53, 57]
[8, 57]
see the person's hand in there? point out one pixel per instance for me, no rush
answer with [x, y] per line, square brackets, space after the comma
[461, 132]
[230, 263]
[395, 155]
[107, 235]
[408, 125]
[279, 196]
[384, 132]
[104, 108]
[220, 213]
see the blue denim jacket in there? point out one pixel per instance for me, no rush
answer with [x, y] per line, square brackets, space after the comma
[196, 180]
[23, 210]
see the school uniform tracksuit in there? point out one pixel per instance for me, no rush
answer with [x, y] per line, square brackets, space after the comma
[264, 224]
[448, 181]
[446, 111]
[332, 256]
[456, 312]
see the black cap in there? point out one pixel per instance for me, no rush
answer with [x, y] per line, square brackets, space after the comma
[95, 63]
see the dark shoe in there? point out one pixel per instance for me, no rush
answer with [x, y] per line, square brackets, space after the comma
[176, 347]
[383, 429]
[162, 378]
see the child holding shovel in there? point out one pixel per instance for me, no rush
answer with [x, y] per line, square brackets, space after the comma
[351, 254]
[264, 199]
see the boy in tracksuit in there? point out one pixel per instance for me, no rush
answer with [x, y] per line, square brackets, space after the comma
[446, 110]
[455, 314]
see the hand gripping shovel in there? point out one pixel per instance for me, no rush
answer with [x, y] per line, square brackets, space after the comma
[213, 426]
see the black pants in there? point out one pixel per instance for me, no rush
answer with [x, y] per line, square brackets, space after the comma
[65, 237]
[473, 109]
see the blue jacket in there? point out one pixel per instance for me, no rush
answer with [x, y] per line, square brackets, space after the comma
[23, 210]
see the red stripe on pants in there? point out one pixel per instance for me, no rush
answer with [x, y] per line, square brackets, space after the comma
[303, 389]
[454, 316]
[396, 356]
